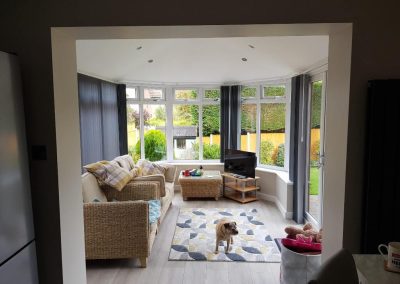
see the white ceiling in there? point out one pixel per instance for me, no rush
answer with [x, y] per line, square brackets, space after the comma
[200, 60]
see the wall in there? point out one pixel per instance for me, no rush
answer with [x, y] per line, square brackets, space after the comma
[25, 29]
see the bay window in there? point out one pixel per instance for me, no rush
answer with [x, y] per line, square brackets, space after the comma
[183, 123]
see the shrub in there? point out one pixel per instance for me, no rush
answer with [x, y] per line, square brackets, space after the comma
[211, 152]
[154, 145]
[135, 155]
[266, 151]
[280, 156]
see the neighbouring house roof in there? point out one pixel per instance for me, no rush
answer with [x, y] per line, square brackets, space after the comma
[185, 132]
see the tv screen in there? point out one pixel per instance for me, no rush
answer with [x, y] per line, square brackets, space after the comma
[240, 162]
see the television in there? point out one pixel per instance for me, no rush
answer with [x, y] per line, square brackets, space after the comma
[240, 162]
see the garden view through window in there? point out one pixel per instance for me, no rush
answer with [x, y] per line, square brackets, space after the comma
[195, 123]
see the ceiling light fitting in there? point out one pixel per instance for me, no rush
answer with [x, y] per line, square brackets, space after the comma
[150, 61]
[244, 59]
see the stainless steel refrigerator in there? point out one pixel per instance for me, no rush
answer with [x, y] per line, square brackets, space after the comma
[17, 239]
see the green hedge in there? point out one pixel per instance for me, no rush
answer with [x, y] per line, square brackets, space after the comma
[154, 145]
[280, 156]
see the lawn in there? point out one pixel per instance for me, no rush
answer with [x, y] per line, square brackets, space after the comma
[314, 180]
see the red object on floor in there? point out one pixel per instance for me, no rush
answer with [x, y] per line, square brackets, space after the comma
[300, 246]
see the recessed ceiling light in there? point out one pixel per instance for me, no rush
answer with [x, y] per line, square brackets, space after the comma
[139, 47]
[251, 46]
[244, 59]
[150, 61]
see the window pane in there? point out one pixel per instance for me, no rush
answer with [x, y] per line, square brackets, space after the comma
[185, 132]
[248, 125]
[272, 148]
[212, 94]
[133, 119]
[155, 142]
[152, 94]
[274, 91]
[185, 94]
[248, 92]
[211, 132]
[131, 93]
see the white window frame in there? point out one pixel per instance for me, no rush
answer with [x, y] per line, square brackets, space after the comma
[207, 102]
[169, 100]
[155, 87]
[197, 89]
[136, 91]
[141, 101]
[260, 99]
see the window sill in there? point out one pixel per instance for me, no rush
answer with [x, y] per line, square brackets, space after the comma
[283, 175]
[196, 163]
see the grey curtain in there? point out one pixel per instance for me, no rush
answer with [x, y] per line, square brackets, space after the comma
[298, 144]
[230, 111]
[98, 110]
[122, 119]
[110, 120]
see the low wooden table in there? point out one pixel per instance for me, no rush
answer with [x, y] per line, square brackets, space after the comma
[242, 190]
[206, 185]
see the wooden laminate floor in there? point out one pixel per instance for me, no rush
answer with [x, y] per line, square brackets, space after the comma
[160, 270]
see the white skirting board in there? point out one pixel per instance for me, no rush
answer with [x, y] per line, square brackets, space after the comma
[268, 197]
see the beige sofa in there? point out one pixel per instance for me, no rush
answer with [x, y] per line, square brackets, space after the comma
[121, 229]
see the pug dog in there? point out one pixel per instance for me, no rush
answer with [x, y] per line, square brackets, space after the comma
[225, 229]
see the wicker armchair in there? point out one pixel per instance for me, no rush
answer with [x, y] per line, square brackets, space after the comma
[118, 229]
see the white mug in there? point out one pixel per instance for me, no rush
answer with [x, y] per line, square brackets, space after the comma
[393, 255]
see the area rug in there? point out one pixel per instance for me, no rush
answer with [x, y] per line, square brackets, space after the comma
[194, 237]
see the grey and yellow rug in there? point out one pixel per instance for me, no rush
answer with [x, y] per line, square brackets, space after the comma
[194, 237]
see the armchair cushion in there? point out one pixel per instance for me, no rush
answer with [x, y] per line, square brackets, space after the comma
[110, 173]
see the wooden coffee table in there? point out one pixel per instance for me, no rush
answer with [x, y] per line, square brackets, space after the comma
[206, 185]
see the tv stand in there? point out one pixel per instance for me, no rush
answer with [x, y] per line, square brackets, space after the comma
[239, 188]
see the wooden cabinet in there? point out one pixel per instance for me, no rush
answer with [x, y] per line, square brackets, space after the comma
[243, 190]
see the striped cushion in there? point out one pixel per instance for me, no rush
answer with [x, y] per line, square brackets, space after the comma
[110, 173]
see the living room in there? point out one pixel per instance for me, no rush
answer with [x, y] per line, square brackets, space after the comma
[67, 117]
[176, 97]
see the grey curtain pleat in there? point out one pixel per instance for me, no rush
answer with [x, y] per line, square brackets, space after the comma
[98, 110]
[110, 120]
[230, 110]
[90, 119]
[298, 144]
[122, 119]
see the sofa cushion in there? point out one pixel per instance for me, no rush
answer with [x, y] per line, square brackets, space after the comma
[170, 171]
[148, 168]
[110, 173]
[154, 210]
[91, 190]
[125, 162]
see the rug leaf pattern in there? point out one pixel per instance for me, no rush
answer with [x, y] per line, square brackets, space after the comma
[194, 237]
